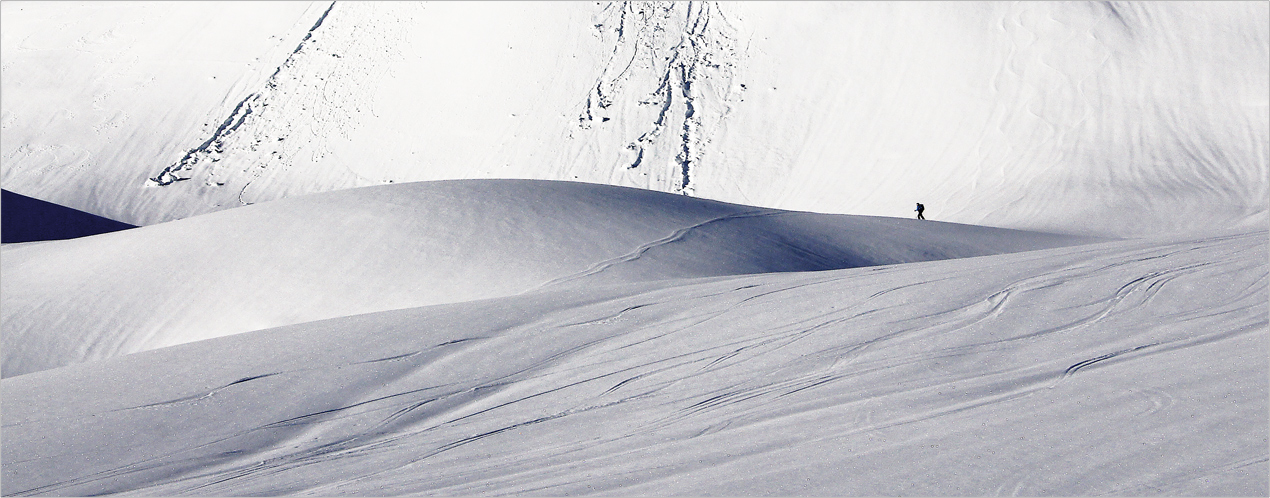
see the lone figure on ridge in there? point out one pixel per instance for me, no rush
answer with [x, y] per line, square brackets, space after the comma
[919, 210]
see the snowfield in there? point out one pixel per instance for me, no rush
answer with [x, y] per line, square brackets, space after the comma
[637, 248]
[1126, 368]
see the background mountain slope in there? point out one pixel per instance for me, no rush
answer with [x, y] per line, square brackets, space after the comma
[1095, 117]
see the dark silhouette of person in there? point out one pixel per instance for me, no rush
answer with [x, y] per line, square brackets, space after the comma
[919, 210]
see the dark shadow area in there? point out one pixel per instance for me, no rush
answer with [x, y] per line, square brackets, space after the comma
[26, 219]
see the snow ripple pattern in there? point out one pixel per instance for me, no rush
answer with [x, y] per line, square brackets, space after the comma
[701, 388]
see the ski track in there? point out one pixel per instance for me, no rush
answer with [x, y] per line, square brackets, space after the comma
[644, 248]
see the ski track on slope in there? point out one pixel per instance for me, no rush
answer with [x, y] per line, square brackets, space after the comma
[812, 382]
[642, 249]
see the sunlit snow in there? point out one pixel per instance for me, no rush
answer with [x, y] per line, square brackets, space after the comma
[638, 248]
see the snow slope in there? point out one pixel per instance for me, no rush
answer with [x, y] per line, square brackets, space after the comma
[1092, 117]
[1127, 368]
[759, 316]
[407, 245]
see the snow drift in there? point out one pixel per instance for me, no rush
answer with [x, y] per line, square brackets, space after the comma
[1124, 368]
[1091, 117]
[407, 245]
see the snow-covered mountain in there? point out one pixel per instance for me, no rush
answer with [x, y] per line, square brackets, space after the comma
[1103, 118]
[638, 248]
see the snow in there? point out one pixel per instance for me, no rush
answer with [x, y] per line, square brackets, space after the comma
[635, 248]
[407, 245]
[1097, 118]
[97, 93]
[1132, 367]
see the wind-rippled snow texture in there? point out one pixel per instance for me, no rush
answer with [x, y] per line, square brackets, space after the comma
[1131, 368]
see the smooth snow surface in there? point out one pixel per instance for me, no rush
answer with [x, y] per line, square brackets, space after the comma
[398, 246]
[1085, 117]
[1125, 368]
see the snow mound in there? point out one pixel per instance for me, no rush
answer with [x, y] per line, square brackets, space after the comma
[397, 246]
[1078, 371]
